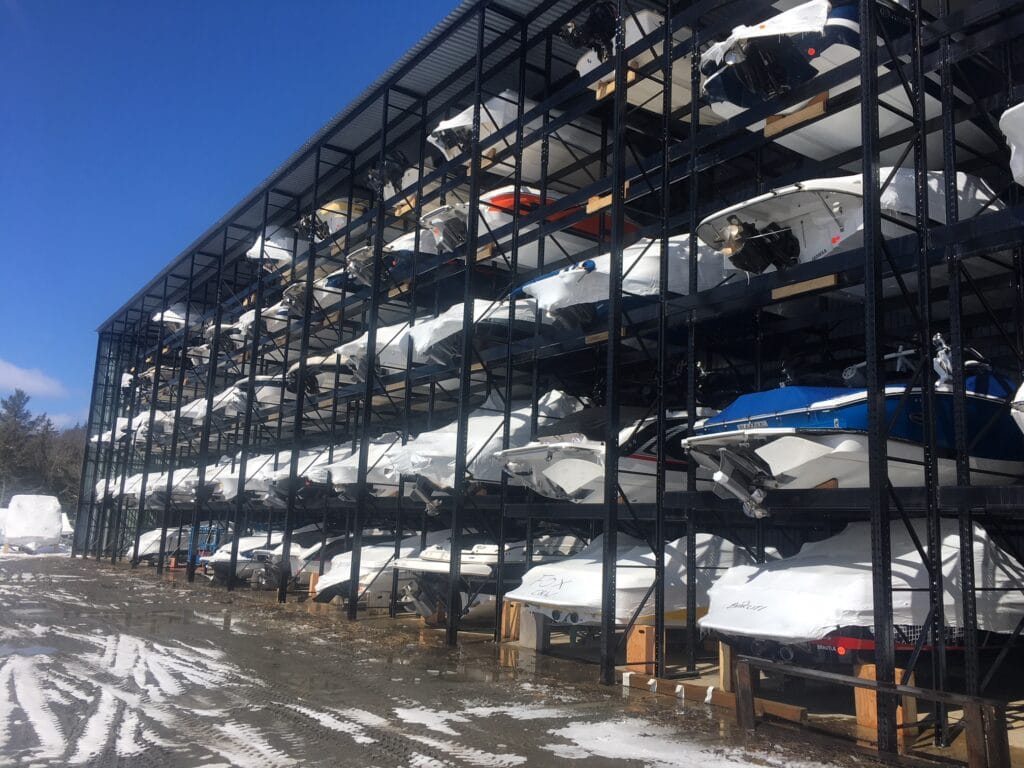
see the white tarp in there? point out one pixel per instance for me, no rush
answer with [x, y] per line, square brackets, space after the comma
[32, 521]
[827, 585]
[1012, 126]
[277, 251]
[394, 341]
[427, 333]
[174, 315]
[495, 113]
[312, 464]
[373, 559]
[588, 281]
[121, 425]
[431, 455]
[345, 470]
[391, 347]
[573, 586]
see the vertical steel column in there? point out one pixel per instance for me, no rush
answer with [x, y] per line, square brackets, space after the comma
[692, 635]
[466, 361]
[204, 437]
[370, 384]
[129, 448]
[148, 455]
[82, 521]
[517, 180]
[545, 152]
[250, 394]
[300, 394]
[956, 344]
[934, 519]
[611, 466]
[101, 520]
[407, 395]
[662, 383]
[175, 430]
[881, 558]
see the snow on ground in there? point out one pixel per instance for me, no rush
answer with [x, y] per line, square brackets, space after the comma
[92, 675]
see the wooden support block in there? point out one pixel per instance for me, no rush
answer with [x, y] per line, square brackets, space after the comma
[640, 649]
[485, 252]
[486, 158]
[717, 698]
[599, 202]
[974, 726]
[725, 667]
[534, 631]
[776, 124]
[606, 88]
[398, 290]
[510, 612]
[805, 286]
[314, 579]
[597, 338]
[406, 206]
[476, 367]
[746, 690]
[866, 706]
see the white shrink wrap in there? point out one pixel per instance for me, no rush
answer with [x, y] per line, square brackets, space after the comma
[431, 455]
[570, 590]
[1012, 126]
[587, 281]
[33, 522]
[827, 585]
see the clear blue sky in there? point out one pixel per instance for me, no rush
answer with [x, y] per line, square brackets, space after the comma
[127, 128]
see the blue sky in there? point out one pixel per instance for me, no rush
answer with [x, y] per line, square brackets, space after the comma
[127, 128]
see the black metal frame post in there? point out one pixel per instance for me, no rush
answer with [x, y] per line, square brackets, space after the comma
[972, 674]
[370, 383]
[129, 446]
[609, 642]
[458, 500]
[114, 382]
[874, 329]
[81, 519]
[934, 520]
[148, 453]
[204, 438]
[250, 394]
[300, 387]
[172, 454]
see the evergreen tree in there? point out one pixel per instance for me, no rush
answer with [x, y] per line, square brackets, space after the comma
[35, 457]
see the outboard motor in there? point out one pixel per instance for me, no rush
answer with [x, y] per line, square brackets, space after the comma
[754, 250]
[759, 66]
[389, 171]
[453, 141]
[597, 32]
[311, 386]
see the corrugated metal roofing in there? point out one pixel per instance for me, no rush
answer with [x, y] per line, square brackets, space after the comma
[249, 213]
[355, 126]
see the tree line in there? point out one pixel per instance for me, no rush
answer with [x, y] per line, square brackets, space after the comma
[36, 457]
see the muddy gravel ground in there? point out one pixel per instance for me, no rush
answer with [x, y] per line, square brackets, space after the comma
[105, 666]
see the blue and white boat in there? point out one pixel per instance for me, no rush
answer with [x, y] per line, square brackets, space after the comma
[817, 437]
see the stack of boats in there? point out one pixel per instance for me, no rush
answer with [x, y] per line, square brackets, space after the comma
[805, 435]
